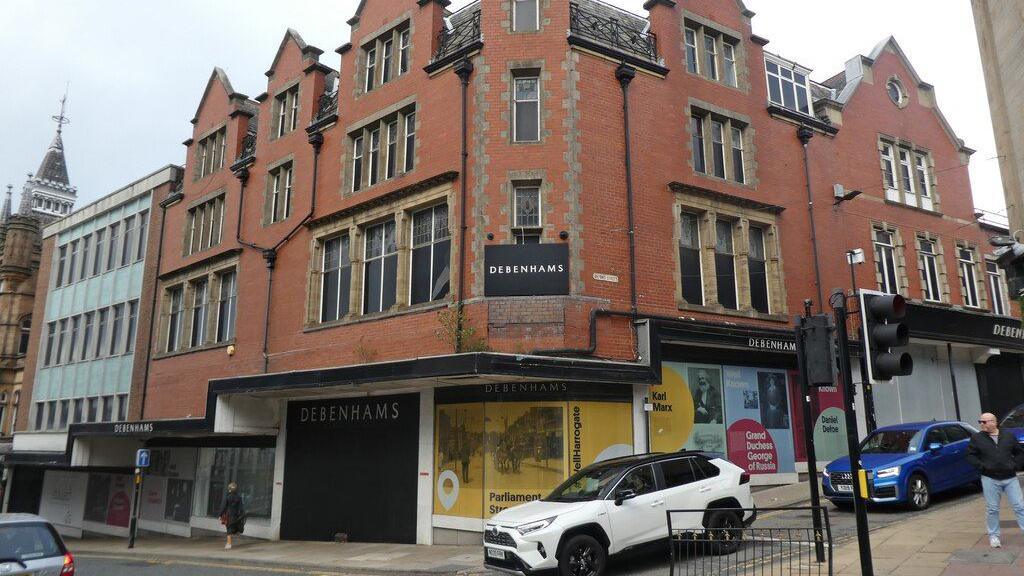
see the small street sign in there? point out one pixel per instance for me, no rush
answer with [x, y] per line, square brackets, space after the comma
[142, 458]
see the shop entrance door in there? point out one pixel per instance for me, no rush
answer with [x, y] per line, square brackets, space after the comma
[26, 490]
[999, 384]
[351, 467]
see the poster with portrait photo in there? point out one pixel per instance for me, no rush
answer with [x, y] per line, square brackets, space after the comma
[179, 500]
[705, 384]
[771, 388]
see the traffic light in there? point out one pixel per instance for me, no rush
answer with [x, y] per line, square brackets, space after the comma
[880, 314]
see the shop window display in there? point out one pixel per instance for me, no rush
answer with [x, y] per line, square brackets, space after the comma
[494, 455]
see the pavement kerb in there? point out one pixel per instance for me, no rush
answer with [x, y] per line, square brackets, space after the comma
[297, 566]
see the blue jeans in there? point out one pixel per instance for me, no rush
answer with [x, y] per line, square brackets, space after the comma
[994, 490]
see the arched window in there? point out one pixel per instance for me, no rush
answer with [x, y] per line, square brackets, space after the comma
[26, 330]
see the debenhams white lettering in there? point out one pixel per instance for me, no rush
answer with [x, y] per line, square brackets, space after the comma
[769, 344]
[133, 428]
[530, 269]
[1008, 331]
[350, 412]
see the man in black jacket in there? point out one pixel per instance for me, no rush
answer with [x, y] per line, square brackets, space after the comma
[998, 457]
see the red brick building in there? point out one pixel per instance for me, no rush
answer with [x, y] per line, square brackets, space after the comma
[449, 269]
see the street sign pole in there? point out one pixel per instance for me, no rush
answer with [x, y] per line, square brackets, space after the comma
[852, 442]
[812, 460]
[133, 524]
[142, 459]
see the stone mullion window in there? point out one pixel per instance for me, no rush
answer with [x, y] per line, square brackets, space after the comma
[741, 241]
[898, 255]
[378, 159]
[733, 141]
[979, 275]
[940, 266]
[386, 57]
[773, 257]
[403, 236]
[901, 164]
[708, 223]
[713, 54]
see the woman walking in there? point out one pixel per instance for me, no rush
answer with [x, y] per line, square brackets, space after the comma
[232, 514]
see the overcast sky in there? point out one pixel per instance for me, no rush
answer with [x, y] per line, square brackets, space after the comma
[138, 68]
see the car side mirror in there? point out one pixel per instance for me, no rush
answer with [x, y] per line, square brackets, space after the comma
[623, 495]
[935, 446]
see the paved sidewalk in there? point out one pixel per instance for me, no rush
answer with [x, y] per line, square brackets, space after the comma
[352, 558]
[947, 542]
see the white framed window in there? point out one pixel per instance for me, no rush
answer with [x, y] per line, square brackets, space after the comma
[968, 276]
[410, 142]
[526, 220]
[525, 16]
[404, 51]
[729, 64]
[287, 105]
[996, 288]
[371, 69]
[738, 166]
[929, 270]
[526, 109]
[924, 185]
[174, 324]
[199, 308]
[710, 56]
[227, 305]
[725, 265]
[896, 92]
[697, 144]
[391, 160]
[788, 85]
[430, 270]
[385, 67]
[885, 261]
[374, 156]
[335, 278]
[357, 163]
[692, 60]
[718, 148]
[281, 185]
[690, 261]
[907, 178]
[380, 276]
[889, 173]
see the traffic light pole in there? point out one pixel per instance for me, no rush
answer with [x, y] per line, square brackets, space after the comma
[812, 459]
[852, 442]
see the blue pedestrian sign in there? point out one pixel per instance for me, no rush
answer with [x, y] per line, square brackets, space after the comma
[142, 458]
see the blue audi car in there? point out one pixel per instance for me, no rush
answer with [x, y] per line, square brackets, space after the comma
[1014, 422]
[906, 464]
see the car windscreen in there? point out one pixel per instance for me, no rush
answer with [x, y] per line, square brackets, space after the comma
[587, 484]
[1015, 419]
[26, 542]
[892, 442]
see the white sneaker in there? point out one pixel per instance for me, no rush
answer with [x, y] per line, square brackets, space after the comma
[993, 541]
[228, 546]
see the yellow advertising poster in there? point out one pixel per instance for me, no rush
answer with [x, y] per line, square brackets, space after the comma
[524, 452]
[459, 460]
[598, 431]
[672, 419]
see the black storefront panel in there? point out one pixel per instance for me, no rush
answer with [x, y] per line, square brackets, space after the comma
[351, 467]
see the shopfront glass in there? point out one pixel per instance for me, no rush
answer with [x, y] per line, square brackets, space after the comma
[740, 411]
[251, 468]
[516, 447]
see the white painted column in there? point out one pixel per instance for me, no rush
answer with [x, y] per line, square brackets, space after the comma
[278, 490]
[425, 485]
[640, 431]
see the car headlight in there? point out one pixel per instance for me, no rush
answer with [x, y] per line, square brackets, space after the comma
[825, 474]
[888, 472]
[525, 529]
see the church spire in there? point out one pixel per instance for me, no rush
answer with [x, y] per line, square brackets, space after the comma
[54, 167]
[48, 194]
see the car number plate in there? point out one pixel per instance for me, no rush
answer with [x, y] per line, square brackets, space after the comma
[844, 488]
[495, 553]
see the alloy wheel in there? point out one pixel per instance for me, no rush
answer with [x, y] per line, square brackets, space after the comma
[583, 561]
[919, 492]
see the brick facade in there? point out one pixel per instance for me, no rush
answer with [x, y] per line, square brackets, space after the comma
[578, 163]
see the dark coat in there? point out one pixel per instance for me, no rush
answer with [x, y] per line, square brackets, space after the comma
[234, 510]
[997, 461]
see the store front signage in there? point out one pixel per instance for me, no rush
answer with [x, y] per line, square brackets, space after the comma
[133, 428]
[526, 270]
[771, 344]
[951, 325]
[332, 413]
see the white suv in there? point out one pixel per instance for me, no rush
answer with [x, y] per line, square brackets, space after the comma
[615, 505]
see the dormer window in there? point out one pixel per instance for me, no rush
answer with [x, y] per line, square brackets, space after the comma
[210, 153]
[788, 85]
[286, 106]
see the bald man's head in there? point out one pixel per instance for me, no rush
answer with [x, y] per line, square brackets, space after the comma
[988, 423]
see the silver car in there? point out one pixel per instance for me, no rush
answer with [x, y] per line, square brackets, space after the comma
[29, 545]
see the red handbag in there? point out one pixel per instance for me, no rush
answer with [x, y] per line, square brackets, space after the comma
[224, 519]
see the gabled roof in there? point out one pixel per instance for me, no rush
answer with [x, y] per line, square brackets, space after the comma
[846, 83]
[218, 75]
[292, 35]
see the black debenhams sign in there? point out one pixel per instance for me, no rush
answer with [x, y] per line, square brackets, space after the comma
[526, 270]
